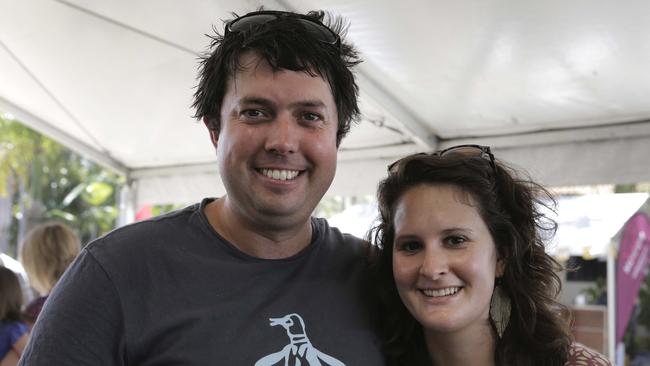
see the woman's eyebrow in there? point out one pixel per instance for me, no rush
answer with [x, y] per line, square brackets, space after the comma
[458, 229]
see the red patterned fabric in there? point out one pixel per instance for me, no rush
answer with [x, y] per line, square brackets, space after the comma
[580, 355]
[33, 309]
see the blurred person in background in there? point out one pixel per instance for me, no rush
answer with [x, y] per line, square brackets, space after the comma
[13, 333]
[47, 251]
[19, 270]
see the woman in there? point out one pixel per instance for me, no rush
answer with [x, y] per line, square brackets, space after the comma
[463, 273]
[47, 252]
[13, 333]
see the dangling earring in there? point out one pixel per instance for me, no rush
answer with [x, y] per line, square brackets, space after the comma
[499, 308]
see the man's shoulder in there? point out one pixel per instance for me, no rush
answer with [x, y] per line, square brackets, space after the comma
[343, 243]
[163, 228]
[333, 233]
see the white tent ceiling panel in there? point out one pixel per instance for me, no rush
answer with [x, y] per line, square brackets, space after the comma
[19, 89]
[552, 85]
[469, 67]
[177, 23]
[593, 162]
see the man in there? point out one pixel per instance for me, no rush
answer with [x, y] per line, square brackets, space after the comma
[248, 278]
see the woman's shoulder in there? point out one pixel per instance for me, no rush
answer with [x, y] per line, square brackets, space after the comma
[579, 354]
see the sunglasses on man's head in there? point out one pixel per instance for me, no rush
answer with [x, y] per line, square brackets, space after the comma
[468, 151]
[315, 28]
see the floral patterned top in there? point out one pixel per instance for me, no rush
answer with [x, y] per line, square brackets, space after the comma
[581, 355]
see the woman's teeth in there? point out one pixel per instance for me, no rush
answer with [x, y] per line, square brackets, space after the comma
[440, 293]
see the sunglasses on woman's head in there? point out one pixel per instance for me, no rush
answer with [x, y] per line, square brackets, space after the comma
[468, 151]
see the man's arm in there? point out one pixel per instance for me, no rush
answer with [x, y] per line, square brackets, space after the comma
[81, 322]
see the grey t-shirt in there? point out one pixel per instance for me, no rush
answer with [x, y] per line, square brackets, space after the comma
[172, 291]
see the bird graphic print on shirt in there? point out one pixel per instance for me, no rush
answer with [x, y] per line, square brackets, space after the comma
[299, 351]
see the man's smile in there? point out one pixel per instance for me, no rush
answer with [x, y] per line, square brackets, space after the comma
[279, 174]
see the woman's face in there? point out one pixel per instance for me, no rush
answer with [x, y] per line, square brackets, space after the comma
[444, 258]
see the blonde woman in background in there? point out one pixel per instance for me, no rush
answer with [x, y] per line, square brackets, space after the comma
[47, 251]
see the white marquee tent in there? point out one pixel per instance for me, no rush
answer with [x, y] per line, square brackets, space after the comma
[559, 87]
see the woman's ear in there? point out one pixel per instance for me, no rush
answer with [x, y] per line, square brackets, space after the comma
[501, 267]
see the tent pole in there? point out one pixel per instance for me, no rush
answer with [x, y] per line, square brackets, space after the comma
[127, 202]
[611, 302]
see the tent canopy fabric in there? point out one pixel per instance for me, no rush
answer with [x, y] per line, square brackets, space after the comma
[559, 88]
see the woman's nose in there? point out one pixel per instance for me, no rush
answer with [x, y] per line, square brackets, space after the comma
[434, 264]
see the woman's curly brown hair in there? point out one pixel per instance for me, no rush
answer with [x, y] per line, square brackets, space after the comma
[512, 206]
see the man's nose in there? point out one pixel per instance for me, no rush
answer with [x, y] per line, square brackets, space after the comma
[435, 263]
[283, 135]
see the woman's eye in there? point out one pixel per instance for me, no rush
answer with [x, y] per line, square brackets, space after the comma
[455, 241]
[410, 246]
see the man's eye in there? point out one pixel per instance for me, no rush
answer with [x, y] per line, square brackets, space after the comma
[252, 113]
[312, 117]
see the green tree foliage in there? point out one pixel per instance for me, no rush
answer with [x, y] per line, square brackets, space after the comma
[47, 181]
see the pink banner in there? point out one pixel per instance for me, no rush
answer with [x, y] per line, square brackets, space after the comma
[632, 266]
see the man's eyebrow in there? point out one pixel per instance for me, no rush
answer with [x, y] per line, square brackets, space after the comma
[269, 103]
[308, 103]
[256, 100]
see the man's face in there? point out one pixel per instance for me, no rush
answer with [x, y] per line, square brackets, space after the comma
[276, 149]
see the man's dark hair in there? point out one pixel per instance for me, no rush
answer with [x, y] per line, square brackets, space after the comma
[284, 44]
